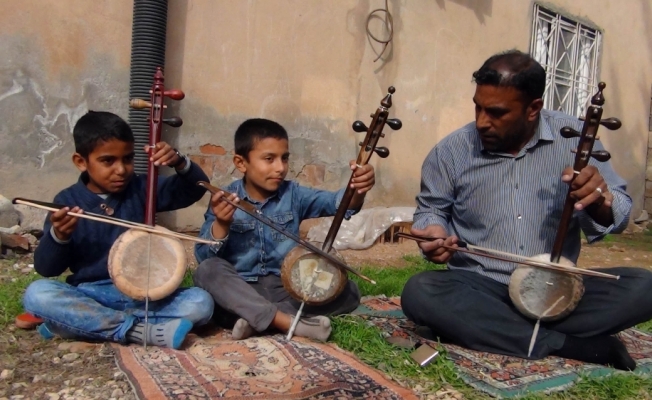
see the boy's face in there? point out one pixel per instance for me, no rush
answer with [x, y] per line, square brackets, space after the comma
[110, 166]
[266, 167]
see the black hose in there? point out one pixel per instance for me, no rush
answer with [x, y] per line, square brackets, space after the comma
[147, 53]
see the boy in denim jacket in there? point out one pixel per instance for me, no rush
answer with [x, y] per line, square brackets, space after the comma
[242, 273]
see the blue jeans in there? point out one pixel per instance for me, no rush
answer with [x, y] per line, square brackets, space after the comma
[99, 311]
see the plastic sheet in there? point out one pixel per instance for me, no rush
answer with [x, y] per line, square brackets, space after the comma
[362, 230]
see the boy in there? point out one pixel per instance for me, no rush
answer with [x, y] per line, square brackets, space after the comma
[243, 272]
[88, 305]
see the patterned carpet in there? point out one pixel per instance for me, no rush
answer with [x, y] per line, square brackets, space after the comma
[503, 376]
[267, 367]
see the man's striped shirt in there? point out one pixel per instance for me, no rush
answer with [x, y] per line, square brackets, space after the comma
[510, 203]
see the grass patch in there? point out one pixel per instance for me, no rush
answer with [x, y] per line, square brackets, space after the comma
[12, 288]
[390, 281]
[368, 344]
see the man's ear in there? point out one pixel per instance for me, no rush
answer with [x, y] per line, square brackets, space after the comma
[80, 162]
[534, 109]
[239, 163]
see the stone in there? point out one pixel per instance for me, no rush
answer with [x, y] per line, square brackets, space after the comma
[8, 214]
[6, 374]
[117, 393]
[212, 149]
[14, 241]
[10, 231]
[31, 219]
[53, 396]
[643, 217]
[70, 357]
[617, 249]
[38, 378]
[76, 347]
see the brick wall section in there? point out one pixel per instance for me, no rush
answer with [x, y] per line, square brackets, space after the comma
[217, 163]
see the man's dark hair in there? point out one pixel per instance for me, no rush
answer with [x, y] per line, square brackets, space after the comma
[256, 129]
[515, 69]
[99, 126]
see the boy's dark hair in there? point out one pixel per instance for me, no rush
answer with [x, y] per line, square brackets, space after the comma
[256, 129]
[515, 69]
[99, 126]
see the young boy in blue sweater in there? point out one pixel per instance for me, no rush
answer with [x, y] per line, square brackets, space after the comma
[88, 306]
[242, 272]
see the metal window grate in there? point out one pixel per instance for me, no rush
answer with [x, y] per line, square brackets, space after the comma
[569, 52]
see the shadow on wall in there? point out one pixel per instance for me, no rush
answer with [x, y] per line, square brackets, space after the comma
[481, 8]
[174, 61]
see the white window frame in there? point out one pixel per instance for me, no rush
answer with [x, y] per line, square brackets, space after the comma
[569, 51]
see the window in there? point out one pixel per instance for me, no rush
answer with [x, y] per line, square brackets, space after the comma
[568, 50]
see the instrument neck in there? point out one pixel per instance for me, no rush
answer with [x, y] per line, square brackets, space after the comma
[150, 199]
[339, 217]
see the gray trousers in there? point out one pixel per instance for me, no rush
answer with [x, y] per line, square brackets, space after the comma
[258, 302]
[476, 312]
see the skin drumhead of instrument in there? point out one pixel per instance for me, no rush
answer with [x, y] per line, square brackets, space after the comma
[130, 256]
[545, 294]
[311, 278]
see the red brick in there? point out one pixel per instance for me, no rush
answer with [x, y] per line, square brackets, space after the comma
[206, 163]
[212, 149]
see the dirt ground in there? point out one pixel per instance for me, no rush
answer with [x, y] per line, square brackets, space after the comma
[32, 368]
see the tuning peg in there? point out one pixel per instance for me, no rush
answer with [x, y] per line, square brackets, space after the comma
[382, 152]
[175, 94]
[395, 123]
[611, 123]
[359, 126]
[174, 122]
[569, 132]
[140, 104]
[601, 155]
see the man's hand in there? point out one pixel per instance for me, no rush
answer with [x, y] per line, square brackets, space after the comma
[433, 250]
[162, 154]
[363, 177]
[223, 214]
[588, 188]
[64, 224]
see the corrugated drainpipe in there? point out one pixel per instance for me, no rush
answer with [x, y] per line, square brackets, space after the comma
[147, 52]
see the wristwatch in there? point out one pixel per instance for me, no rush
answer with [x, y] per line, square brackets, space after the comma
[182, 158]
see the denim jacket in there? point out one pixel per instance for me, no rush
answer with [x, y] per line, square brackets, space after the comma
[255, 249]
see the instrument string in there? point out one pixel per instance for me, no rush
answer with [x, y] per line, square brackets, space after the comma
[149, 254]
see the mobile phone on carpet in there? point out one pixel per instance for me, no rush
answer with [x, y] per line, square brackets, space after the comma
[424, 354]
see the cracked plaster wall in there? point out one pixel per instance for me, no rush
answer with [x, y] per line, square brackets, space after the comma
[308, 65]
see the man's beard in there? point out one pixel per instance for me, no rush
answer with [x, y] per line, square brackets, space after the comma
[513, 140]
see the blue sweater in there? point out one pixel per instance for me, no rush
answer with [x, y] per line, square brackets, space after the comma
[87, 252]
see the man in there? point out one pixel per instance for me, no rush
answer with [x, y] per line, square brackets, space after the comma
[501, 183]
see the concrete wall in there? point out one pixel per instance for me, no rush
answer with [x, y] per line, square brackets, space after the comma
[308, 65]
